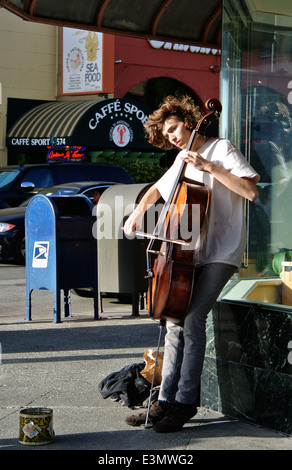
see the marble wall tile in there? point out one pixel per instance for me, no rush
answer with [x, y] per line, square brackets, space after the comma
[272, 333]
[232, 385]
[234, 332]
[251, 335]
[209, 385]
[273, 400]
[247, 373]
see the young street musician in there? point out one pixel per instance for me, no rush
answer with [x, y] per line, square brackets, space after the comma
[223, 169]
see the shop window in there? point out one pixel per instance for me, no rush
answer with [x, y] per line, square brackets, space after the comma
[256, 84]
[269, 119]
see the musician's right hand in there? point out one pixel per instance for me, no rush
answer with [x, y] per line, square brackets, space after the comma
[134, 221]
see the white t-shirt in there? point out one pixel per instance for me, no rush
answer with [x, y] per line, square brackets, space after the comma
[225, 230]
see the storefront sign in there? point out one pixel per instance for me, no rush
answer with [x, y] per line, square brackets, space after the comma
[83, 62]
[116, 123]
[27, 141]
[183, 47]
[122, 117]
[66, 153]
[113, 123]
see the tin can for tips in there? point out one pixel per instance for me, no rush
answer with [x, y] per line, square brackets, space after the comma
[36, 426]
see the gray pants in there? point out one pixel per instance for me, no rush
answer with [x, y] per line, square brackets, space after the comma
[184, 348]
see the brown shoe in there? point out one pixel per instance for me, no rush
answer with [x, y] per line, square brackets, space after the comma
[156, 412]
[175, 417]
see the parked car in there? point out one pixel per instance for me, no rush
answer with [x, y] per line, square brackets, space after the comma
[12, 235]
[17, 183]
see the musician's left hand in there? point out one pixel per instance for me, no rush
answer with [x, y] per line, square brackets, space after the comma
[245, 187]
[195, 159]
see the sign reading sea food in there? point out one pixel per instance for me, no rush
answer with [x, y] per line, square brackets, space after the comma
[82, 61]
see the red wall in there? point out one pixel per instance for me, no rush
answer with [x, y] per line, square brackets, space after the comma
[140, 61]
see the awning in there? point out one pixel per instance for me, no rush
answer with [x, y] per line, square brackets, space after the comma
[193, 22]
[186, 21]
[114, 123]
[48, 121]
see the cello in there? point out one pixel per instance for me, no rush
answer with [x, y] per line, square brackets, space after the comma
[171, 264]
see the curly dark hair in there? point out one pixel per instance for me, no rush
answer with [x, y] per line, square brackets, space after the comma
[184, 108]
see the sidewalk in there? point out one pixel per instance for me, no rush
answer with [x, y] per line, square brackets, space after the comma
[59, 366]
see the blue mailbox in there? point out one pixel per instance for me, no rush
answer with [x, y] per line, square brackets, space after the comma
[61, 252]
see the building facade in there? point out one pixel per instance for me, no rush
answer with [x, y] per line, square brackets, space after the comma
[248, 365]
[43, 64]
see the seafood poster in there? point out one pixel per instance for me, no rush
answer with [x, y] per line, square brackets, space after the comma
[82, 64]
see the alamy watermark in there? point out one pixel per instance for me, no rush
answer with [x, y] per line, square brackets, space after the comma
[182, 222]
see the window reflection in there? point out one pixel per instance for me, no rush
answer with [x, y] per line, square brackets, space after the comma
[256, 96]
[270, 155]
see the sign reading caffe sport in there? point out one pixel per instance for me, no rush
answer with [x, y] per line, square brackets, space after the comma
[113, 123]
[123, 119]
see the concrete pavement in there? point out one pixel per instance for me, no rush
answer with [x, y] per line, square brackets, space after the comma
[59, 366]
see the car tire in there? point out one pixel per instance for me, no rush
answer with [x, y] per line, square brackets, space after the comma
[20, 249]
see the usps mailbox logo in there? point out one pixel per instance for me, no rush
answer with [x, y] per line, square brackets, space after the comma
[40, 254]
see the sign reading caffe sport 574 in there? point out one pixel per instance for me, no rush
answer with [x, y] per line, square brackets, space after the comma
[113, 123]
